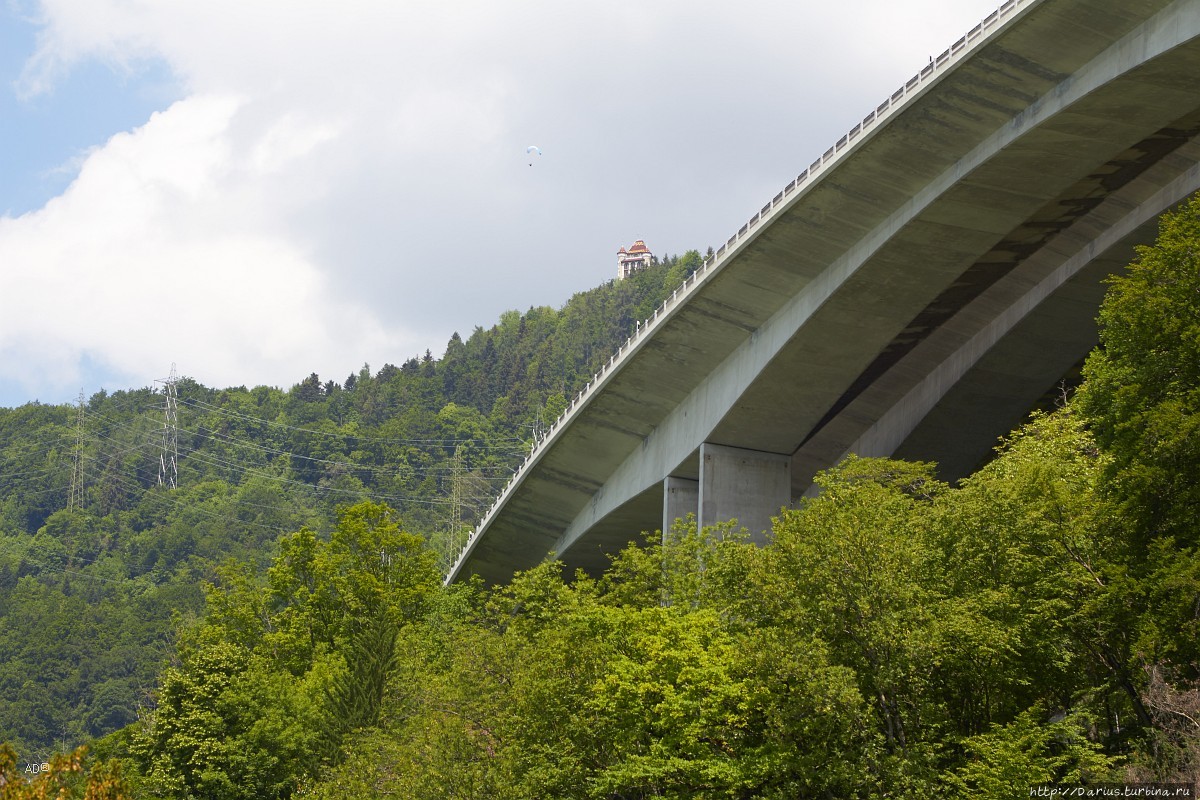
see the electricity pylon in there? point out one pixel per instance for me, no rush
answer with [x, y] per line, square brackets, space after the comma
[168, 460]
[76, 496]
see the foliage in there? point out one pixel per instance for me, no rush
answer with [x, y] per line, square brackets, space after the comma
[1142, 400]
[1008, 760]
[61, 778]
[89, 593]
[271, 681]
[1143, 384]
[897, 636]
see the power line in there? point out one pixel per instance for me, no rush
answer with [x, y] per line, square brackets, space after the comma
[469, 490]
[214, 461]
[240, 467]
[270, 423]
[217, 436]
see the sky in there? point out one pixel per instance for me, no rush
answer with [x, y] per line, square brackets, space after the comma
[254, 192]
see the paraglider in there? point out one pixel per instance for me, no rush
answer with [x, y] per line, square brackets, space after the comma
[533, 148]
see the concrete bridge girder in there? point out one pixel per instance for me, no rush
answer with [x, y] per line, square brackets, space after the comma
[818, 333]
[895, 289]
[979, 373]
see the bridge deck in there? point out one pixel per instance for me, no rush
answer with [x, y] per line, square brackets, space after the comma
[913, 291]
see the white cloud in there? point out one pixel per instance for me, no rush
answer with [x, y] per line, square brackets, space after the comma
[347, 182]
[161, 251]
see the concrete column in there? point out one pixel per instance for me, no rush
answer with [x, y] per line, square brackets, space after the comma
[747, 485]
[681, 496]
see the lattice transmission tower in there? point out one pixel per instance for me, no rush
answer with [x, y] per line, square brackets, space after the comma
[456, 491]
[456, 534]
[75, 498]
[539, 429]
[168, 460]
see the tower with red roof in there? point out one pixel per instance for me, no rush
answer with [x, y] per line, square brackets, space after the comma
[636, 258]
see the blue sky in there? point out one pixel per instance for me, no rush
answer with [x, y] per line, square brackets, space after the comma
[257, 191]
[41, 137]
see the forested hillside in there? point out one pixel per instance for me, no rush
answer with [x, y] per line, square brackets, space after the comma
[898, 637]
[98, 553]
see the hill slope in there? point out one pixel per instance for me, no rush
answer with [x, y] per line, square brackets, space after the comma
[97, 551]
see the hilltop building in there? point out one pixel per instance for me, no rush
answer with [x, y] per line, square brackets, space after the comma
[636, 258]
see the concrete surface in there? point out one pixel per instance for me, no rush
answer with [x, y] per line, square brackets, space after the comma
[915, 290]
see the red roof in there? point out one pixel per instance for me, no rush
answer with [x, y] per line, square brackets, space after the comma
[639, 247]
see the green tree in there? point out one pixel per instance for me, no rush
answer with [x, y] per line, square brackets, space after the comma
[1007, 761]
[1143, 385]
[228, 725]
[1142, 400]
[275, 677]
[1039, 601]
[854, 565]
[63, 778]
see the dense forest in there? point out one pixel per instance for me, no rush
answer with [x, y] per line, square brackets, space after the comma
[104, 548]
[276, 625]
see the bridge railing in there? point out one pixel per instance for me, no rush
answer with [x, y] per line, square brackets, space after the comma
[643, 328]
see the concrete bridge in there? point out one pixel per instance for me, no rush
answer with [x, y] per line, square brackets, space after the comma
[912, 292]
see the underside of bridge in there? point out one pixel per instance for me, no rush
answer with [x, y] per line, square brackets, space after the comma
[916, 298]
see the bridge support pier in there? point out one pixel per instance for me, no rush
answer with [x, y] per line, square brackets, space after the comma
[747, 485]
[681, 496]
